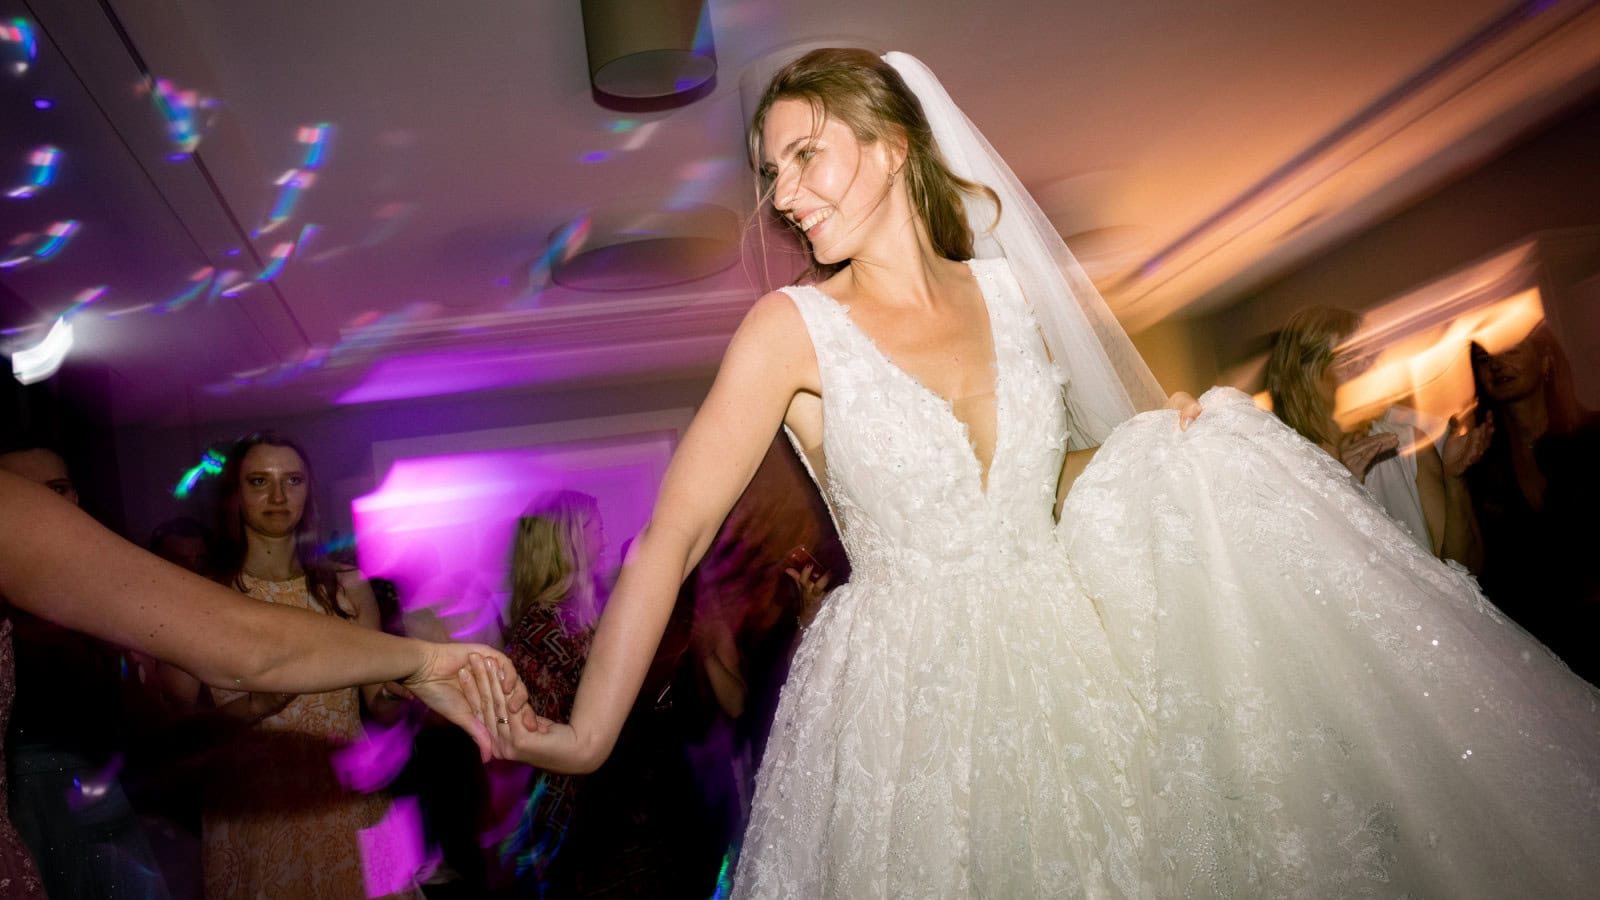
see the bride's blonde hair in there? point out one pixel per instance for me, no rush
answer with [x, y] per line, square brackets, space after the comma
[865, 93]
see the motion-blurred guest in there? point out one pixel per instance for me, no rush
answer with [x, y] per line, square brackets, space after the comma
[554, 602]
[164, 782]
[67, 743]
[1418, 486]
[1537, 493]
[184, 542]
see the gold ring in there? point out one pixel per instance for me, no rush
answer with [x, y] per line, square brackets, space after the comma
[502, 720]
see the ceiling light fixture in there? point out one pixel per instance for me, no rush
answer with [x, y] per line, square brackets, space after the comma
[649, 50]
[640, 247]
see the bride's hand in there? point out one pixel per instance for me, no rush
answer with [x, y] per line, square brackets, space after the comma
[519, 735]
[1188, 409]
[435, 683]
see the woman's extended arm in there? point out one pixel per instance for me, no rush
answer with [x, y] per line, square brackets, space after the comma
[384, 703]
[58, 563]
[760, 374]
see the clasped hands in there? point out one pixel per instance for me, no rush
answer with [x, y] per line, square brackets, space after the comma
[477, 688]
[514, 730]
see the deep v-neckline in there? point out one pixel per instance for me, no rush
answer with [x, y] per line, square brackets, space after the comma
[983, 471]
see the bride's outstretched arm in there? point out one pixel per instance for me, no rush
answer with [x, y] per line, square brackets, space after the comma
[1076, 461]
[764, 368]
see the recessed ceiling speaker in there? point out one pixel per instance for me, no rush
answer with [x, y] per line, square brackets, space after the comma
[628, 248]
[648, 49]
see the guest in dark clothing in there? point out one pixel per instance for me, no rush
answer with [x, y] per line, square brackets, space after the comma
[554, 602]
[19, 877]
[165, 777]
[1537, 495]
[642, 827]
[184, 542]
[66, 744]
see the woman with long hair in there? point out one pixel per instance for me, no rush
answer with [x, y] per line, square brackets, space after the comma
[1201, 663]
[554, 602]
[277, 821]
[554, 556]
[1537, 493]
[1419, 486]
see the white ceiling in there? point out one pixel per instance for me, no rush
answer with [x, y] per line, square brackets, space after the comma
[1189, 151]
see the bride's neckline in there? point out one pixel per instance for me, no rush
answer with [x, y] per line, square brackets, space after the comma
[983, 468]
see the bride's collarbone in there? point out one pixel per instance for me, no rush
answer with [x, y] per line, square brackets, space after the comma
[949, 352]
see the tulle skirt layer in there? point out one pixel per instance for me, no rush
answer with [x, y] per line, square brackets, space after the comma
[1227, 675]
[1335, 713]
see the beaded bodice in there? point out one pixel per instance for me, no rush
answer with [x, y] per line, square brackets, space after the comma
[902, 479]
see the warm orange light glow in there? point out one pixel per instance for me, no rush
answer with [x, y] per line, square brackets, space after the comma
[1430, 369]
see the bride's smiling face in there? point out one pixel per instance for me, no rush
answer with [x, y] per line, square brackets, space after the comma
[824, 180]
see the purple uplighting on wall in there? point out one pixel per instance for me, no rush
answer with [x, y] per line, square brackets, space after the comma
[440, 527]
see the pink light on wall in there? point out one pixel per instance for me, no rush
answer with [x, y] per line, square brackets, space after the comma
[440, 526]
[391, 851]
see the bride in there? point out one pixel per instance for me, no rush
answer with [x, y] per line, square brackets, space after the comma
[1214, 668]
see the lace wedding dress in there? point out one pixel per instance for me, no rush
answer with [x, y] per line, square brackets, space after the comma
[1225, 673]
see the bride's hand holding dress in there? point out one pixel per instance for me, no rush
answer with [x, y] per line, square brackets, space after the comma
[1187, 407]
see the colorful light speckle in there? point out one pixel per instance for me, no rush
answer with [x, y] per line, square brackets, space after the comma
[210, 465]
[315, 137]
[42, 164]
[47, 245]
[25, 44]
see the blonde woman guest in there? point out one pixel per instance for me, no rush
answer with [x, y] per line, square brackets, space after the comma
[554, 603]
[1421, 487]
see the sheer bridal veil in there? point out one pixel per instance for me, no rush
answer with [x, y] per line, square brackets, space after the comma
[1106, 380]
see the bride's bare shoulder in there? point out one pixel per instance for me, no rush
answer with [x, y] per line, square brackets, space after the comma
[775, 331]
[774, 315]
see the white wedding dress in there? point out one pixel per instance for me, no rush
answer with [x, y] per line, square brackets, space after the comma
[1225, 673]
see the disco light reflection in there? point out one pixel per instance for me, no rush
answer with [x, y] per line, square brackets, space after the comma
[25, 44]
[44, 246]
[42, 164]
